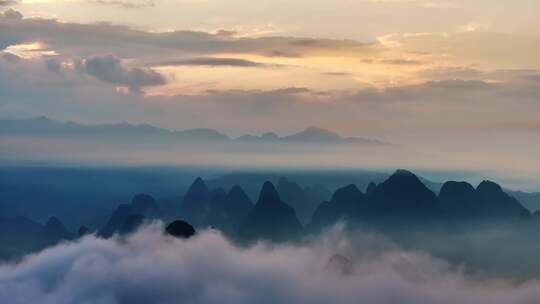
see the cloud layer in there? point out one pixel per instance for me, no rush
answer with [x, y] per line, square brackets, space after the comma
[152, 268]
[110, 69]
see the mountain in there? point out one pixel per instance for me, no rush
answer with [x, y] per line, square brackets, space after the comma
[215, 208]
[83, 230]
[314, 134]
[270, 219]
[297, 198]
[402, 199]
[498, 204]
[310, 135]
[55, 228]
[196, 204]
[230, 211]
[318, 184]
[180, 229]
[131, 224]
[371, 188]
[404, 196]
[529, 200]
[45, 127]
[145, 205]
[128, 217]
[115, 222]
[345, 204]
[460, 200]
[20, 236]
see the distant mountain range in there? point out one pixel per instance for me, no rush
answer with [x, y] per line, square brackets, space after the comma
[43, 126]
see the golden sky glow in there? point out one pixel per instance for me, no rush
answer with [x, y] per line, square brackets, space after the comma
[408, 37]
[412, 72]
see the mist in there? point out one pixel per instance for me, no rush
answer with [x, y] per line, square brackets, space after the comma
[150, 267]
[475, 162]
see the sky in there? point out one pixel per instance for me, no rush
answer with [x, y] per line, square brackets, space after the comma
[461, 77]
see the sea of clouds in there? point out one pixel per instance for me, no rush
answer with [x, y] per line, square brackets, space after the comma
[150, 267]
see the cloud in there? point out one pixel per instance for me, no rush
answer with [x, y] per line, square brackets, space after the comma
[534, 77]
[212, 61]
[53, 65]
[150, 267]
[110, 69]
[502, 50]
[29, 89]
[11, 14]
[337, 73]
[452, 72]
[401, 62]
[71, 39]
[9, 2]
[126, 3]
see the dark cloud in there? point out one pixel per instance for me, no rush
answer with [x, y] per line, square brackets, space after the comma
[126, 3]
[394, 61]
[453, 72]
[401, 62]
[72, 39]
[10, 57]
[110, 69]
[9, 2]
[337, 74]
[53, 65]
[27, 88]
[11, 15]
[212, 61]
[534, 77]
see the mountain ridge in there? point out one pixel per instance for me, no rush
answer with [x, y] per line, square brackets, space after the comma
[43, 126]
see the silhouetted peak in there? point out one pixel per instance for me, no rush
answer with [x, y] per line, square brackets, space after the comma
[180, 229]
[370, 188]
[83, 230]
[489, 186]
[347, 194]
[142, 198]
[289, 190]
[218, 195]
[197, 190]
[403, 179]
[270, 218]
[314, 134]
[132, 223]
[237, 193]
[54, 223]
[402, 173]
[313, 130]
[453, 188]
[270, 136]
[236, 190]
[268, 193]
[142, 202]
[198, 183]
[403, 193]
[123, 210]
[55, 227]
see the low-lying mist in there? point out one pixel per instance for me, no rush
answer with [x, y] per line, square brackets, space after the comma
[151, 267]
[518, 171]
